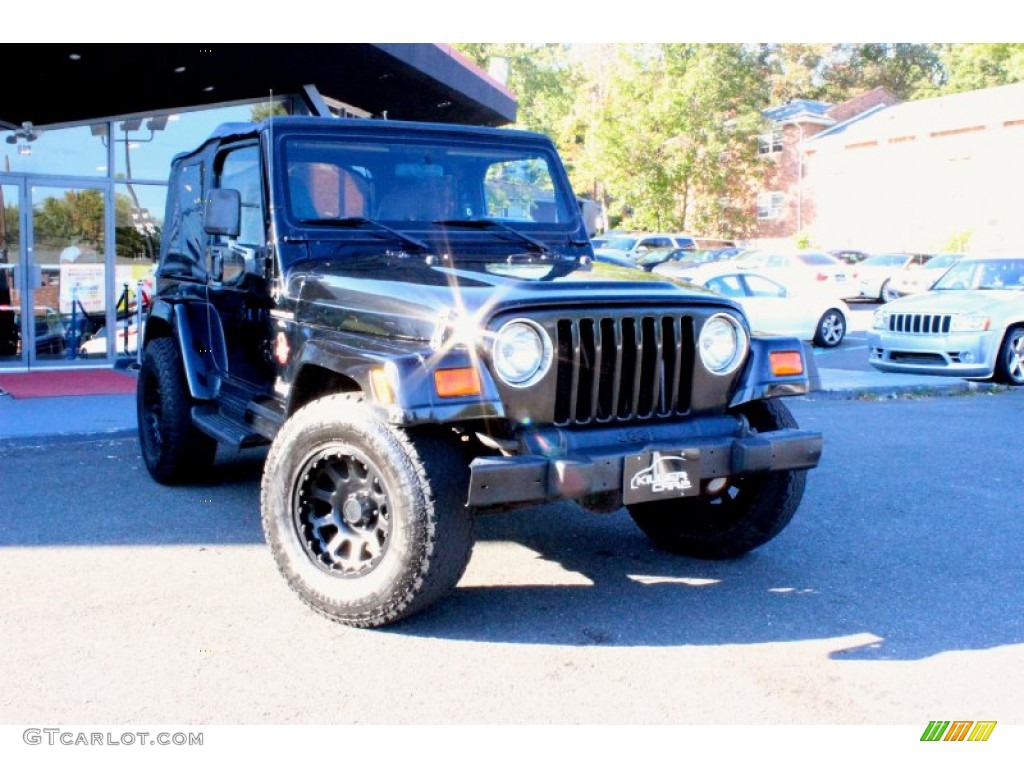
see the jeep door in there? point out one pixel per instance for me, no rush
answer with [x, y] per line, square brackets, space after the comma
[238, 286]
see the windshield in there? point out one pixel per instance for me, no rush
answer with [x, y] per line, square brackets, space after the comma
[405, 182]
[885, 260]
[983, 274]
[942, 262]
[620, 243]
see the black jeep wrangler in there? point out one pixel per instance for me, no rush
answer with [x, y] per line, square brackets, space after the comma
[411, 317]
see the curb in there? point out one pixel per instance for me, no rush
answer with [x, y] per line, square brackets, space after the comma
[908, 391]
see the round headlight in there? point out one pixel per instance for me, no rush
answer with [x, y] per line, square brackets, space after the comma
[522, 353]
[722, 344]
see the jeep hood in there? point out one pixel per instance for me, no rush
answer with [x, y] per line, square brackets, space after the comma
[406, 296]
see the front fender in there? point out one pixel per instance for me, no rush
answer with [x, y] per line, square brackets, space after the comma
[410, 370]
[759, 382]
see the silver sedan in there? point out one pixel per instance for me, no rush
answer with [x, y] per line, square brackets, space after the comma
[773, 308]
[970, 324]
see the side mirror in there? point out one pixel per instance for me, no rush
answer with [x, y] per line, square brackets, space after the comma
[223, 213]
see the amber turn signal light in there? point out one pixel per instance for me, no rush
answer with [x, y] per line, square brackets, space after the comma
[382, 389]
[457, 382]
[787, 363]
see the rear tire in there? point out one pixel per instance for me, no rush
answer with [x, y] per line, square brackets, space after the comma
[368, 524]
[173, 450]
[751, 510]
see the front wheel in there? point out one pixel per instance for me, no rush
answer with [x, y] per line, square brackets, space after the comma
[1010, 363]
[749, 511]
[367, 523]
[831, 329]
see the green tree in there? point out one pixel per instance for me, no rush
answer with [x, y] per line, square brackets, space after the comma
[970, 66]
[543, 78]
[677, 136]
[265, 109]
[75, 217]
[903, 69]
[135, 240]
[835, 72]
[795, 70]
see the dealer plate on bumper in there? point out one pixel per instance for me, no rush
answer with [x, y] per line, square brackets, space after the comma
[654, 475]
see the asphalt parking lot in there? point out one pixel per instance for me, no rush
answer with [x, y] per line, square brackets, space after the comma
[891, 598]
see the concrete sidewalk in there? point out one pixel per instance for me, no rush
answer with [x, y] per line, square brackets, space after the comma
[114, 415]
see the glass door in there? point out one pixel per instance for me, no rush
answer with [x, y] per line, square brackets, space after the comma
[67, 267]
[12, 273]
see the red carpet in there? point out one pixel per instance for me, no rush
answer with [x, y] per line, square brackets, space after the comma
[64, 383]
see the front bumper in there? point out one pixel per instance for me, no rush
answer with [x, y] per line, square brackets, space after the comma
[964, 355]
[644, 464]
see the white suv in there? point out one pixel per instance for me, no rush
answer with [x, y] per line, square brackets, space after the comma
[635, 244]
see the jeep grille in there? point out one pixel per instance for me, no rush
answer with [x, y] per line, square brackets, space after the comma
[618, 368]
[919, 324]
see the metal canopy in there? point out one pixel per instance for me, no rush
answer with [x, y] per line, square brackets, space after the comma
[64, 83]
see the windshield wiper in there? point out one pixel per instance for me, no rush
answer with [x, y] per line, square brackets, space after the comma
[492, 224]
[359, 222]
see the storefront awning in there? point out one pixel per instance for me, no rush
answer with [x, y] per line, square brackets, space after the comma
[63, 83]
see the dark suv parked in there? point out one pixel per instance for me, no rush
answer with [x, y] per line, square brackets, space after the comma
[410, 316]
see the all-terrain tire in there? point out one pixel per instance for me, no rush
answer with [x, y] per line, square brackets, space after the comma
[173, 450]
[367, 523]
[751, 511]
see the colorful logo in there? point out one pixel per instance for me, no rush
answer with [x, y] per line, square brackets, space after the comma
[958, 730]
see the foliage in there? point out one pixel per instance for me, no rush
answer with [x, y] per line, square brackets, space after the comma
[77, 217]
[794, 70]
[970, 66]
[901, 68]
[10, 230]
[665, 135]
[959, 242]
[677, 136]
[836, 72]
[542, 76]
[266, 109]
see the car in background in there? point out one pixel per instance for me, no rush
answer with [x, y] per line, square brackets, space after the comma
[636, 244]
[684, 258]
[803, 271]
[970, 324]
[599, 241]
[848, 256]
[124, 343]
[615, 260]
[920, 280]
[772, 308]
[49, 330]
[875, 274]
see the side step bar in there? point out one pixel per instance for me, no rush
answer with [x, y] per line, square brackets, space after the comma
[209, 420]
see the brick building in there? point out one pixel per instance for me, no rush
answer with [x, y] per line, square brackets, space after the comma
[784, 208]
[875, 174]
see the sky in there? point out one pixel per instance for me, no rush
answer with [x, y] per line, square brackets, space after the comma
[522, 21]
